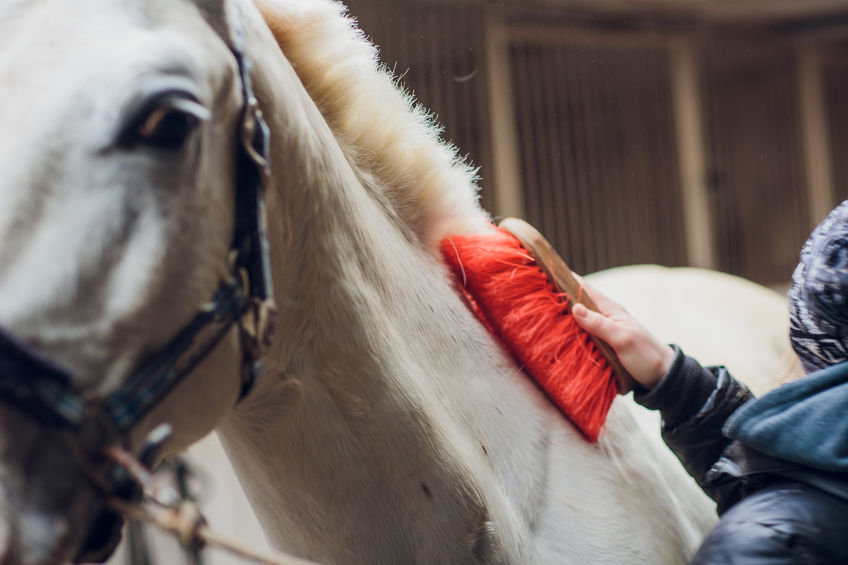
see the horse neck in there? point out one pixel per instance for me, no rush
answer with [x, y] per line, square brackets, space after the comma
[354, 417]
[389, 427]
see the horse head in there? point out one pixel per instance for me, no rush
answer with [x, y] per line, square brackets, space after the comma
[120, 158]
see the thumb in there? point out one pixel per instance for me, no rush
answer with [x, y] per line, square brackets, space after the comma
[596, 324]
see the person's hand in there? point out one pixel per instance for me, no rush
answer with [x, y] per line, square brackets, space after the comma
[641, 353]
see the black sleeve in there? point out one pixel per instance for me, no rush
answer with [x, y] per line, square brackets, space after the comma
[694, 403]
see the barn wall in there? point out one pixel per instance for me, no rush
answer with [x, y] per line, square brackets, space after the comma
[591, 143]
[599, 163]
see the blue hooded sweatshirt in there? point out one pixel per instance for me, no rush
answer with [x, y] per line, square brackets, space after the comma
[805, 421]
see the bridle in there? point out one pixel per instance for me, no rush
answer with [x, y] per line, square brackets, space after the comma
[37, 386]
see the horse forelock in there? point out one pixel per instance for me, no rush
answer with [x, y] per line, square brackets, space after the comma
[382, 131]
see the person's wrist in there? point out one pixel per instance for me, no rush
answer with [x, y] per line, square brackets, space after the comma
[665, 357]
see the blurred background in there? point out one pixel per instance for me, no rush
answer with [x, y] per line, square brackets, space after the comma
[682, 132]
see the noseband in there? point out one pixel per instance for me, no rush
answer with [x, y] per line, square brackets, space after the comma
[42, 389]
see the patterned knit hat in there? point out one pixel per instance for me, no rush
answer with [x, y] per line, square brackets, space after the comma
[818, 299]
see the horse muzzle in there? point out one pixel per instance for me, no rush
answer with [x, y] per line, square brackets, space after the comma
[46, 502]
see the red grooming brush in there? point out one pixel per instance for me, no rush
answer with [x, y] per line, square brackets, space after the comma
[522, 291]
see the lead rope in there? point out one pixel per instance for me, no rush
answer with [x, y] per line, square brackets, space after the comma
[179, 516]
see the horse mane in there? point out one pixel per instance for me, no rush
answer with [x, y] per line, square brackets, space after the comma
[383, 132]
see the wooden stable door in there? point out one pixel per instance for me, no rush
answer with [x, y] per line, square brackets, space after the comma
[598, 152]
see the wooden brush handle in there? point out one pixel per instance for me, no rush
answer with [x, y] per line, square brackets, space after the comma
[563, 279]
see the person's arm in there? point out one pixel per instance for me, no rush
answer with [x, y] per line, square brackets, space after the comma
[694, 401]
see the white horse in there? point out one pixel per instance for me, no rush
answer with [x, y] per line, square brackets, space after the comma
[726, 320]
[387, 426]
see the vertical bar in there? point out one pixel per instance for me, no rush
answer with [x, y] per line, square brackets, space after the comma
[690, 141]
[508, 198]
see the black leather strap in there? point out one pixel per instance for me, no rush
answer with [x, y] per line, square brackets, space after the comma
[129, 404]
[36, 385]
[43, 390]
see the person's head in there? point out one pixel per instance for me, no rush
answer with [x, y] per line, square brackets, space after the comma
[818, 298]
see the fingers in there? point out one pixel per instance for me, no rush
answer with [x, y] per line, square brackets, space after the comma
[594, 323]
[646, 358]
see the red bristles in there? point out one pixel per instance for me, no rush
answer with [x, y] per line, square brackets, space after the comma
[517, 303]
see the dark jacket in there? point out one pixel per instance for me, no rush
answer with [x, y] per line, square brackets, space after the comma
[783, 503]
[698, 403]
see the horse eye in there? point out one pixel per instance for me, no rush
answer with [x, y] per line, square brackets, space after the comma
[167, 123]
